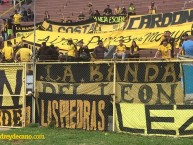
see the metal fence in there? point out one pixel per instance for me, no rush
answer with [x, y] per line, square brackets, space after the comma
[146, 97]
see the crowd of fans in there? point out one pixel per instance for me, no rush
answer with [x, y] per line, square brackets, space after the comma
[8, 27]
[79, 51]
[108, 11]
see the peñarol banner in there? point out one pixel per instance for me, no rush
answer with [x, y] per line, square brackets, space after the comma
[89, 112]
[11, 96]
[145, 38]
[174, 120]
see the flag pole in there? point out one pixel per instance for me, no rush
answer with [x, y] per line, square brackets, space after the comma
[34, 66]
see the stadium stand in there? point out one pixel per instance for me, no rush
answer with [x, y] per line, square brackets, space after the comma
[59, 8]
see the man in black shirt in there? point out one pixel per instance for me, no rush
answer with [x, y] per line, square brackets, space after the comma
[108, 11]
[45, 52]
[83, 52]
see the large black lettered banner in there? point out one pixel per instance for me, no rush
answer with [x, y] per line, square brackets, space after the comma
[88, 112]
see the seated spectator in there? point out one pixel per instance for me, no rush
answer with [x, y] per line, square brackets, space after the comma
[81, 16]
[96, 13]
[83, 52]
[68, 20]
[100, 50]
[164, 50]
[44, 53]
[120, 50]
[107, 11]
[23, 55]
[134, 50]
[124, 12]
[117, 10]
[46, 16]
[131, 9]
[8, 53]
[152, 9]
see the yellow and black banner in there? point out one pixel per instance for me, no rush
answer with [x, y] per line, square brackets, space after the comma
[144, 83]
[160, 20]
[88, 112]
[13, 115]
[145, 38]
[174, 120]
[12, 94]
[149, 83]
[69, 28]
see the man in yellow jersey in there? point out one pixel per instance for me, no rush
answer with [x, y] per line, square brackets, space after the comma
[165, 50]
[7, 52]
[72, 50]
[16, 21]
[120, 50]
[23, 55]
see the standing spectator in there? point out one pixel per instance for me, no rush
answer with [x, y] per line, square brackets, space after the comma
[44, 52]
[46, 16]
[134, 50]
[131, 9]
[29, 15]
[124, 12]
[117, 10]
[164, 36]
[100, 50]
[19, 10]
[120, 50]
[90, 9]
[17, 21]
[68, 20]
[183, 39]
[72, 51]
[108, 11]
[9, 28]
[81, 16]
[4, 30]
[83, 52]
[152, 9]
[96, 13]
[54, 52]
[187, 47]
[171, 41]
[7, 52]
[25, 17]
[23, 54]
[164, 49]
